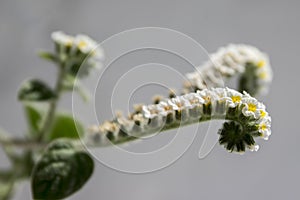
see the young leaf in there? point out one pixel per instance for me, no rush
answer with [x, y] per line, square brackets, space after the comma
[35, 90]
[60, 172]
[48, 56]
[65, 126]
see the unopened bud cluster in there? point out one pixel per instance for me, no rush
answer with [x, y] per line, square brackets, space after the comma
[247, 118]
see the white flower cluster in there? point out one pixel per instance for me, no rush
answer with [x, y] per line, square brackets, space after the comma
[207, 104]
[78, 45]
[229, 61]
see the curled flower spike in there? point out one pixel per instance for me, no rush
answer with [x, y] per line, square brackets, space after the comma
[246, 119]
[77, 49]
[252, 65]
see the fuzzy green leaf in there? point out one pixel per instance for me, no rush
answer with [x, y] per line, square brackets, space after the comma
[35, 90]
[60, 172]
[65, 126]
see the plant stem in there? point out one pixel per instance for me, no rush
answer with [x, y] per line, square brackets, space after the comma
[53, 104]
[22, 143]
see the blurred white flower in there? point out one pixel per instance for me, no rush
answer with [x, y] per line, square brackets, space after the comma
[179, 103]
[63, 39]
[86, 45]
[150, 111]
[229, 61]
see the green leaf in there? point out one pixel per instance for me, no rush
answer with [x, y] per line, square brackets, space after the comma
[34, 114]
[60, 172]
[35, 90]
[7, 184]
[65, 126]
[6, 190]
[48, 56]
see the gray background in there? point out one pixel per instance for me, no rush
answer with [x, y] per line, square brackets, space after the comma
[273, 26]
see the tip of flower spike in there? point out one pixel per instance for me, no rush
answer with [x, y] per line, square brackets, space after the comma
[235, 139]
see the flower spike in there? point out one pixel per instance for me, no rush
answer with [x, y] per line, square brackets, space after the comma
[246, 119]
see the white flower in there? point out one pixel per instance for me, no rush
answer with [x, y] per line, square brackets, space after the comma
[220, 93]
[263, 114]
[264, 75]
[233, 98]
[164, 108]
[207, 95]
[63, 39]
[251, 107]
[179, 103]
[150, 111]
[264, 127]
[194, 99]
[87, 45]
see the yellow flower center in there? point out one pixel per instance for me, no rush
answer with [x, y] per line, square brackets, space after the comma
[168, 107]
[261, 63]
[263, 127]
[251, 107]
[207, 98]
[263, 75]
[236, 99]
[82, 44]
[263, 113]
[179, 104]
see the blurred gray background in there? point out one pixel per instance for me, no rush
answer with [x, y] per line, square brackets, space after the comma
[273, 26]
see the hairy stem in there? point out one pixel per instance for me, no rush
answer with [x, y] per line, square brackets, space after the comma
[166, 127]
[22, 143]
[53, 104]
